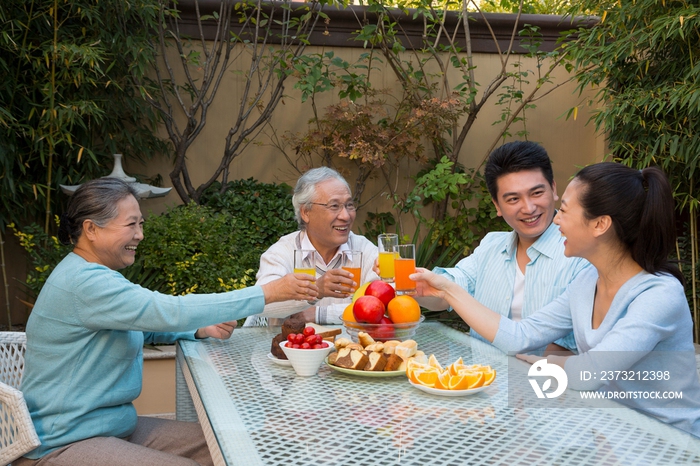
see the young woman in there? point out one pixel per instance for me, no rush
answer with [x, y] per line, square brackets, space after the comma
[628, 312]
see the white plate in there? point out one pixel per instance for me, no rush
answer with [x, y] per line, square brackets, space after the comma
[441, 392]
[279, 362]
[365, 373]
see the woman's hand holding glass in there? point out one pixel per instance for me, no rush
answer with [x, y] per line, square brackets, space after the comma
[293, 286]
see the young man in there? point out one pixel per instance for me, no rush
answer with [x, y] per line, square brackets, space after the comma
[516, 273]
[325, 212]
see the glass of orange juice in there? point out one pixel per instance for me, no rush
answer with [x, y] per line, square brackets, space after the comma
[405, 265]
[386, 243]
[352, 262]
[305, 261]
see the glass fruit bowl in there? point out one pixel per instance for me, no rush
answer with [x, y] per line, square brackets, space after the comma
[383, 332]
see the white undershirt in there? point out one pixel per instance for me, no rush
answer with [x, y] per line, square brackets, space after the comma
[516, 306]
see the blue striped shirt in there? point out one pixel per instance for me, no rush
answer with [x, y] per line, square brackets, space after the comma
[488, 273]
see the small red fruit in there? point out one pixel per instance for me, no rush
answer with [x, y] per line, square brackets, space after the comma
[290, 338]
[309, 331]
[305, 345]
[385, 330]
[311, 339]
[368, 309]
[381, 290]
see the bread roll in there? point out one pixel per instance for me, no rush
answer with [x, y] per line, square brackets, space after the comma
[389, 346]
[342, 343]
[406, 349]
[365, 339]
[377, 347]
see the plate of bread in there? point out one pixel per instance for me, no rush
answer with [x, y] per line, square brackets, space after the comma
[370, 358]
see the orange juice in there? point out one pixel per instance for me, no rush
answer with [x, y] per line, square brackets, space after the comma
[386, 266]
[356, 273]
[308, 271]
[404, 268]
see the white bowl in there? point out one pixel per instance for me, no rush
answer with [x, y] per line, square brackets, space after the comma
[306, 361]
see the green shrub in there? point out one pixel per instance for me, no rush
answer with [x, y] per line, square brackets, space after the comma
[44, 252]
[193, 249]
[265, 210]
[214, 247]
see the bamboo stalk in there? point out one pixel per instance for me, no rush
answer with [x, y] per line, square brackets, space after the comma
[4, 280]
[694, 261]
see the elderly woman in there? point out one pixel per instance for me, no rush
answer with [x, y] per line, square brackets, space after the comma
[628, 312]
[86, 332]
[325, 212]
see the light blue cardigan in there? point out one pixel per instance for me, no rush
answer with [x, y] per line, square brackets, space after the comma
[84, 347]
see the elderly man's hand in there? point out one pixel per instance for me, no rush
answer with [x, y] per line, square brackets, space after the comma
[336, 283]
[221, 331]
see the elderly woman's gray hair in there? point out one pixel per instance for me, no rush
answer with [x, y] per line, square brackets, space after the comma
[95, 200]
[305, 190]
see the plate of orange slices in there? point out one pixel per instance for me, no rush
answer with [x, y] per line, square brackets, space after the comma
[457, 379]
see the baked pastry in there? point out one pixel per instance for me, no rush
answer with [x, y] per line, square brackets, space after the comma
[293, 324]
[406, 349]
[275, 348]
[342, 343]
[389, 346]
[377, 347]
[393, 362]
[376, 362]
[365, 339]
[351, 359]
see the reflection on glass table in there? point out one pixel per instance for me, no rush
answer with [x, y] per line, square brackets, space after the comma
[256, 412]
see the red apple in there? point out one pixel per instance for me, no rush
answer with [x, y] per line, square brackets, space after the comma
[368, 309]
[385, 331]
[381, 290]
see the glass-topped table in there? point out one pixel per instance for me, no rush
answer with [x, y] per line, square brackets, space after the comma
[255, 412]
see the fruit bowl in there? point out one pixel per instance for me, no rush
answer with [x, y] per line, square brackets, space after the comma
[383, 332]
[306, 362]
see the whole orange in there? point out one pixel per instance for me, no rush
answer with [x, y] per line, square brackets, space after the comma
[403, 309]
[348, 315]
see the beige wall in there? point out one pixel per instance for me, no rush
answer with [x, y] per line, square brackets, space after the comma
[570, 143]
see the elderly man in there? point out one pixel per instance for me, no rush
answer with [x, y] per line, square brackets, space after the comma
[325, 212]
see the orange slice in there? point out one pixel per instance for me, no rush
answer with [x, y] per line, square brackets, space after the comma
[412, 364]
[433, 362]
[456, 366]
[489, 377]
[426, 377]
[466, 380]
[443, 381]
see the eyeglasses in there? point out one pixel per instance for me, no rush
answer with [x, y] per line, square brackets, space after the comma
[335, 207]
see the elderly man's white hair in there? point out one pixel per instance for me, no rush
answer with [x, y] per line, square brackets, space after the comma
[305, 190]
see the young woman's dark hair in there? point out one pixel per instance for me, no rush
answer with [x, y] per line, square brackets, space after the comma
[95, 200]
[640, 204]
[514, 157]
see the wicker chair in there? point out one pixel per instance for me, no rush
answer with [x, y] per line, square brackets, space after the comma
[17, 434]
